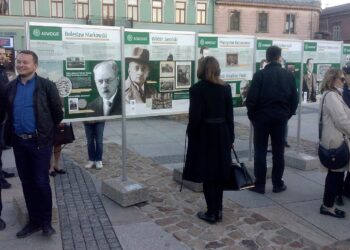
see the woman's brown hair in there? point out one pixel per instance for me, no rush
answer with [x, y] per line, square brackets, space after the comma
[330, 78]
[209, 69]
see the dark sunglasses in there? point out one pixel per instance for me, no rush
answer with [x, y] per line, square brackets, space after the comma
[342, 79]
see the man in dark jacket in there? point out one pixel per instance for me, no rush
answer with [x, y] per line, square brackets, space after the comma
[2, 117]
[272, 100]
[34, 108]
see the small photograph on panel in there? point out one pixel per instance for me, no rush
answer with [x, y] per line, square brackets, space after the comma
[321, 70]
[231, 59]
[73, 104]
[75, 63]
[166, 84]
[167, 69]
[183, 75]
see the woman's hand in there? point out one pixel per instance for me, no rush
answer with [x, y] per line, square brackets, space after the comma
[233, 146]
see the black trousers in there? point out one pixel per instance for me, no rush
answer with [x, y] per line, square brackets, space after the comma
[32, 164]
[213, 193]
[334, 183]
[262, 131]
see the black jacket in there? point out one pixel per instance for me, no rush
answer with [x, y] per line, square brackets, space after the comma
[47, 108]
[3, 82]
[272, 94]
[210, 133]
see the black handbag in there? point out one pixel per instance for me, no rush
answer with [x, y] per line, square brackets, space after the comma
[63, 134]
[239, 177]
[333, 158]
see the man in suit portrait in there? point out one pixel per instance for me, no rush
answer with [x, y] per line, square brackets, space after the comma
[138, 71]
[309, 81]
[108, 87]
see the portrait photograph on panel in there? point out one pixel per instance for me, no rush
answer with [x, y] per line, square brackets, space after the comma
[167, 69]
[166, 84]
[75, 63]
[231, 59]
[183, 75]
[321, 70]
[73, 104]
[64, 86]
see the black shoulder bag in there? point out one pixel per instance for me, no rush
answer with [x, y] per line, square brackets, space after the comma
[333, 158]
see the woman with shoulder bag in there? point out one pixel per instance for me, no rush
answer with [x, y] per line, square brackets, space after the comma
[335, 129]
[210, 133]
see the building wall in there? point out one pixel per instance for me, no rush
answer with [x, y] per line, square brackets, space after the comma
[306, 23]
[329, 21]
[13, 24]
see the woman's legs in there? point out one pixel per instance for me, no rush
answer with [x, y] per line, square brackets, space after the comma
[334, 181]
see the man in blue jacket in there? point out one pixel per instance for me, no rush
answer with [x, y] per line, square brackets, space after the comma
[271, 101]
[34, 109]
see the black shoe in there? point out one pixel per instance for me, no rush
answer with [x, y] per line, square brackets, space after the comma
[259, 190]
[279, 189]
[4, 184]
[28, 230]
[59, 171]
[339, 201]
[207, 217]
[53, 174]
[337, 212]
[7, 174]
[2, 224]
[48, 230]
[219, 216]
[286, 145]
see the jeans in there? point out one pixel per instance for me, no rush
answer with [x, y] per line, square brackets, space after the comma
[262, 130]
[94, 137]
[32, 165]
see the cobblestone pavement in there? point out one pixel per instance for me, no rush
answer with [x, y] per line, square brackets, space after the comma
[176, 211]
[83, 220]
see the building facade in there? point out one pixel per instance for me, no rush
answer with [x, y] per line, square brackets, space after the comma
[185, 15]
[268, 18]
[334, 23]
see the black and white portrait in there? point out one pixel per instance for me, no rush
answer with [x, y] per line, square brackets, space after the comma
[73, 104]
[321, 70]
[167, 69]
[166, 84]
[183, 75]
[231, 59]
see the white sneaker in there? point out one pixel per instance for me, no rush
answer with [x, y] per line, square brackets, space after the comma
[98, 164]
[90, 164]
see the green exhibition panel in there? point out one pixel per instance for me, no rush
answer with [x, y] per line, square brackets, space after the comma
[318, 57]
[236, 57]
[346, 54]
[85, 63]
[159, 70]
[291, 54]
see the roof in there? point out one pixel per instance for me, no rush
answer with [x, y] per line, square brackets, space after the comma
[336, 9]
[306, 3]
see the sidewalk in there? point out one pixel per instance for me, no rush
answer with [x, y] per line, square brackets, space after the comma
[289, 220]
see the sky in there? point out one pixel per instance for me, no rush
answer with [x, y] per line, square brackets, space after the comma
[330, 3]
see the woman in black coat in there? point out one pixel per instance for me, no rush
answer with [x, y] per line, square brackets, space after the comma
[210, 136]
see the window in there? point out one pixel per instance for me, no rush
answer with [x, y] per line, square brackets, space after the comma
[82, 9]
[4, 8]
[201, 13]
[262, 22]
[133, 10]
[290, 24]
[336, 33]
[235, 19]
[108, 12]
[180, 12]
[29, 7]
[157, 11]
[57, 8]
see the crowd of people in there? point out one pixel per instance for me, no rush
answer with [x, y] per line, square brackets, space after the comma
[31, 110]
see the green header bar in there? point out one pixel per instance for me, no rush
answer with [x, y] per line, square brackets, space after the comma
[310, 46]
[45, 33]
[210, 42]
[263, 44]
[346, 49]
[136, 38]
